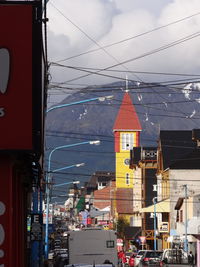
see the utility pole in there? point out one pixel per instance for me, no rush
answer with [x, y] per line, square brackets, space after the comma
[186, 241]
[154, 220]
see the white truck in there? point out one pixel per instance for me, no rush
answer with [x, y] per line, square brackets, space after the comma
[92, 246]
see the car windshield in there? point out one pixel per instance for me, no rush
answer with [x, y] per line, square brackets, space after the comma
[154, 254]
[141, 253]
[175, 252]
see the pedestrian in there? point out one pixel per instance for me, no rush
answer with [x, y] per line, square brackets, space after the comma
[120, 256]
[123, 259]
[195, 258]
[191, 259]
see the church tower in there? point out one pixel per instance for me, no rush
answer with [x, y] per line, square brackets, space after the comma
[126, 130]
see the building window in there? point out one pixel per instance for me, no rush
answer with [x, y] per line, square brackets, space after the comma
[128, 178]
[110, 243]
[127, 141]
[177, 216]
[102, 185]
[181, 216]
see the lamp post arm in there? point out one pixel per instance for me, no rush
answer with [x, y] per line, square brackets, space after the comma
[155, 226]
[73, 103]
[48, 180]
[64, 168]
[60, 147]
[62, 184]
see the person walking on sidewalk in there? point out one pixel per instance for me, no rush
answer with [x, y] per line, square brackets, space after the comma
[191, 259]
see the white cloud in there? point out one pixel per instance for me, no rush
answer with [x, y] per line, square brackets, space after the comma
[94, 17]
[109, 21]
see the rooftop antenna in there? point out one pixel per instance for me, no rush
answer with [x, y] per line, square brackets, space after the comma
[127, 90]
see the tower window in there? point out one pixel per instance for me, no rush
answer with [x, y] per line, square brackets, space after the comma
[127, 178]
[127, 141]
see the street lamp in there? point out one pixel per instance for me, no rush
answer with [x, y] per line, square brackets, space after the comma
[60, 147]
[67, 167]
[102, 98]
[96, 142]
[72, 182]
[154, 219]
[75, 182]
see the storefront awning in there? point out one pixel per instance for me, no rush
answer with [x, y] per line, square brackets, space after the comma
[190, 238]
[162, 206]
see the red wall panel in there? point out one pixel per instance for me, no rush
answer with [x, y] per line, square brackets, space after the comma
[16, 102]
[6, 212]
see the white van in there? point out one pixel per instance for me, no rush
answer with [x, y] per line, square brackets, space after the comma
[92, 246]
[174, 256]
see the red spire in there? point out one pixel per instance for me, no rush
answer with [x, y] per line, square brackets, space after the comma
[127, 119]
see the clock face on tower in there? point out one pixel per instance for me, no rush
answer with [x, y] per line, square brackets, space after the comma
[127, 161]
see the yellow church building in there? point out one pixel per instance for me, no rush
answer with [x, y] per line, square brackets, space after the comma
[126, 130]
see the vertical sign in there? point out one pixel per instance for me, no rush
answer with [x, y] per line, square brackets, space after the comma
[36, 226]
[16, 115]
[6, 219]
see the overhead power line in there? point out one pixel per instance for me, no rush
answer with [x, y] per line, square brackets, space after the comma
[122, 177]
[177, 88]
[102, 48]
[154, 51]
[129, 71]
[91, 71]
[145, 200]
[121, 41]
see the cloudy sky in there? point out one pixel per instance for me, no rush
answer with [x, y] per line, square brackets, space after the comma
[122, 36]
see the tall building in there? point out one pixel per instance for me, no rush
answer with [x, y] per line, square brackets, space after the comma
[126, 130]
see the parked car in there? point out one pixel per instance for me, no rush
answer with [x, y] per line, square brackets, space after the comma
[151, 258]
[174, 256]
[138, 257]
[64, 253]
[62, 258]
[60, 262]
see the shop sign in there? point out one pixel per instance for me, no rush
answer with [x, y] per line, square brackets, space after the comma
[50, 217]
[164, 227]
[36, 227]
[142, 239]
